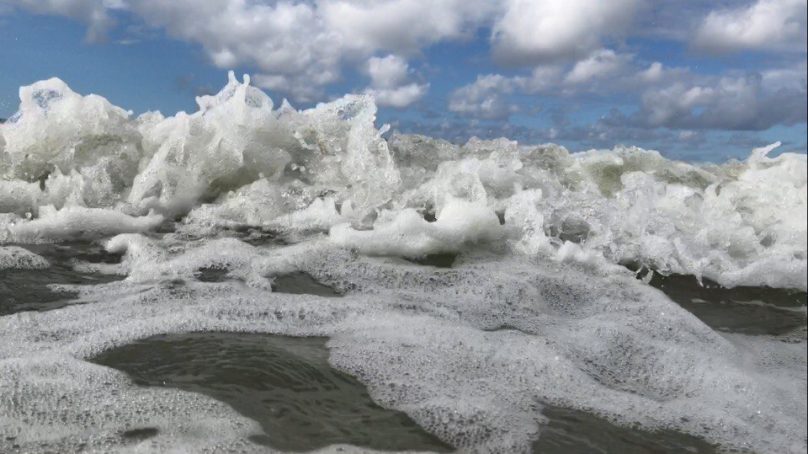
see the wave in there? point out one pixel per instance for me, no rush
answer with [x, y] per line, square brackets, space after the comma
[78, 166]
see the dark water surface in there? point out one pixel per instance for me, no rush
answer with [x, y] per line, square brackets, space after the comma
[27, 290]
[744, 310]
[577, 432]
[302, 403]
[300, 283]
[284, 383]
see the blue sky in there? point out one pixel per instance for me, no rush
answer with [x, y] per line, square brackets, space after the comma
[698, 80]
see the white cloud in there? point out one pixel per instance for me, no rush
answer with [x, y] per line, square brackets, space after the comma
[297, 47]
[765, 24]
[653, 73]
[745, 102]
[542, 78]
[667, 105]
[387, 72]
[786, 78]
[673, 98]
[656, 75]
[402, 26]
[601, 63]
[287, 42]
[535, 31]
[389, 82]
[398, 97]
[91, 12]
[484, 98]
[487, 97]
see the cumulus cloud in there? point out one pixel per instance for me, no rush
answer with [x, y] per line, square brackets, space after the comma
[94, 13]
[653, 73]
[287, 42]
[563, 48]
[745, 102]
[541, 79]
[537, 31]
[402, 26]
[485, 98]
[765, 24]
[786, 78]
[602, 63]
[667, 97]
[389, 82]
[387, 72]
[398, 97]
[297, 47]
[488, 96]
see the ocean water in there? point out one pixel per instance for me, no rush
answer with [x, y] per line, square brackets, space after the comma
[253, 278]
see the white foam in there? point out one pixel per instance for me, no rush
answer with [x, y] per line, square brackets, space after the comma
[79, 222]
[17, 258]
[303, 171]
[146, 261]
[469, 352]
[459, 224]
[264, 204]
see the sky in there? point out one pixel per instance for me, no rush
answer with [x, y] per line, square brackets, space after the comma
[702, 80]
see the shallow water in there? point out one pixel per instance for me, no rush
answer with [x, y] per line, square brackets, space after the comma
[745, 310]
[301, 284]
[302, 403]
[577, 432]
[284, 383]
[27, 290]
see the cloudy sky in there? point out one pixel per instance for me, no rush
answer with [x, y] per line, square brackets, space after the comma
[695, 79]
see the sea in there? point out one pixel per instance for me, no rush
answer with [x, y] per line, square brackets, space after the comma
[255, 278]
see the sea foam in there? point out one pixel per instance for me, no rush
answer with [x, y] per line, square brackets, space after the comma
[472, 353]
[68, 159]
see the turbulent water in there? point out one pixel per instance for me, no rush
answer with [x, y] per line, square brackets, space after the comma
[477, 297]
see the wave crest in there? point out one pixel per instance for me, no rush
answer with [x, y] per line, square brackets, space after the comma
[240, 160]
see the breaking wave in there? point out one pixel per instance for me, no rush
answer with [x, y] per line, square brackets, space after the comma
[77, 165]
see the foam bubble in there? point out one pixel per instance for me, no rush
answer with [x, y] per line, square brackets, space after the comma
[79, 222]
[459, 223]
[470, 353]
[17, 258]
[240, 161]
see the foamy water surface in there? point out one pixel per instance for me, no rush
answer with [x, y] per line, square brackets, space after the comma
[467, 297]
